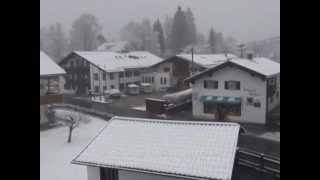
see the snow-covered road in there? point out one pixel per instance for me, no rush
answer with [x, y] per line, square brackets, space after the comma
[56, 153]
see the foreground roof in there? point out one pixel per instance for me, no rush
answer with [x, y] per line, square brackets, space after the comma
[176, 148]
[261, 66]
[48, 67]
[113, 61]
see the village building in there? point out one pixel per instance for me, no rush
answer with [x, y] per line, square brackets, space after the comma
[144, 149]
[99, 71]
[51, 84]
[171, 72]
[243, 90]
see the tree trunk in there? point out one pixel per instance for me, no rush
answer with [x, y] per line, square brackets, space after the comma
[70, 134]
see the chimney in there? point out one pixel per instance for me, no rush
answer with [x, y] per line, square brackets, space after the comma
[250, 56]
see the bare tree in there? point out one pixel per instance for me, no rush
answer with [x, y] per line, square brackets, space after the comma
[73, 123]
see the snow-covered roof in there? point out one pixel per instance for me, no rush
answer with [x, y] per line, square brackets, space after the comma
[260, 65]
[207, 60]
[114, 62]
[176, 148]
[48, 67]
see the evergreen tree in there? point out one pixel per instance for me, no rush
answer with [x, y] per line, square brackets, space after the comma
[179, 35]
[212, 41]
[191, 27]
[157, 27]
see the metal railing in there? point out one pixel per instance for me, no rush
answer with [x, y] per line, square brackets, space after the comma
[258, 161]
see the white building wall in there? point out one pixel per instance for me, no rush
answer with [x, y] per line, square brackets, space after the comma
[93, 173]
[101, 83]
[250, 87]
[127, 175]
[156, 85]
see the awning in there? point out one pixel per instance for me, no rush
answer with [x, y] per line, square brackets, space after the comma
[221, 99]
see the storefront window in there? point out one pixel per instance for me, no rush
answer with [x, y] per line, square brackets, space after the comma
[209, 108]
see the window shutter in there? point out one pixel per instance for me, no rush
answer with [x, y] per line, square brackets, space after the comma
[205, 84]
[226, 85]
[238, 85]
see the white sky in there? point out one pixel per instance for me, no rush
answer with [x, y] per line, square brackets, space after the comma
[246, 20]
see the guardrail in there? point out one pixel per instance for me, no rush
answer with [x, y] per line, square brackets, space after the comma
[258, 161]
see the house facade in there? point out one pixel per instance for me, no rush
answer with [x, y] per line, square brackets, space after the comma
[181, 66]
[51, 84]
[101, 71]
[240, 90]
[122, 151]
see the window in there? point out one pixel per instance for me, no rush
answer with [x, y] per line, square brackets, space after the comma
[121, 75]
[152, 79]
[136, 73]
[232, 85]
[111, 76]
[104, 88]
[161, 81]
[121, 86]
[210, 84]
[96, 89]
[96, 76]
[104, 76]
[164, 80]
[112, 86]
[109, 174]
[128, 73]
[209, 108]
[71, 64]
[234, 110]
[166, 69]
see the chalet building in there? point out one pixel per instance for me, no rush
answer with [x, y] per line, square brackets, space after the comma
[99, 71]
[145, 149]
[51, 84]
[243, 90]
[172, 71]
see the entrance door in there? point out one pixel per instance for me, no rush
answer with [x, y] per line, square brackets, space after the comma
[221, 111]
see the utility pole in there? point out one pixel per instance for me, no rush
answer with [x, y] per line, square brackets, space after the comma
[191, 61]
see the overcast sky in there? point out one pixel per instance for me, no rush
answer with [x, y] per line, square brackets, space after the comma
[245, 20]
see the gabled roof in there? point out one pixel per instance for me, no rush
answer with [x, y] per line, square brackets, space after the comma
[175, 148]
[48, 67]
[204, 60]
[113, 62]
[260, 66]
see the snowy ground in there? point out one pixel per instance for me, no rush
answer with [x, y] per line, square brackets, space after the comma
[56, 153]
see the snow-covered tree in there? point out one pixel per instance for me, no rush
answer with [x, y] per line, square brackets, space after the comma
[84, 33]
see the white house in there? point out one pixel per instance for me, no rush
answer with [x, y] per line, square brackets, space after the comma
[243, 90]
[145, 149]
[172, 71]
[51, 84]
[99, 71]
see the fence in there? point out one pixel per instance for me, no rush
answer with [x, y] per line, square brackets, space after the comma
[258, 161]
